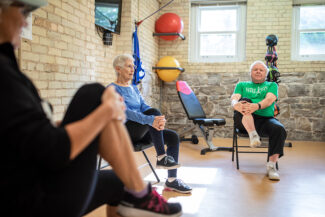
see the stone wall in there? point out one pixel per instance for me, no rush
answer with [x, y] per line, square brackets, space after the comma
[302, 90]
[301, 102]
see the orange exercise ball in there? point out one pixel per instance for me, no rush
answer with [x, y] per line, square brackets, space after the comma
[168, 74]
[169, 23]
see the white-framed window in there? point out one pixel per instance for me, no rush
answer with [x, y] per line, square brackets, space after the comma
[308, 33]
[217, 33]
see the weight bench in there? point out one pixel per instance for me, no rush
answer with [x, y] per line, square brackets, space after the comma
[195, 113]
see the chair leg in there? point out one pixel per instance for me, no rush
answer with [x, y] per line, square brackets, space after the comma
[233, 147]
[236, 145]
[99, 163]
[153, 170]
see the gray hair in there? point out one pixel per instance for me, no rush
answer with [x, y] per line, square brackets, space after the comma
[120, 61]
[261, 63]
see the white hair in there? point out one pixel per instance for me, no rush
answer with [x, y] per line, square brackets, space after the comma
[120, 61]
[256, 63]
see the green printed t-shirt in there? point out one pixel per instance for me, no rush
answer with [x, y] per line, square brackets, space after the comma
[257, 92]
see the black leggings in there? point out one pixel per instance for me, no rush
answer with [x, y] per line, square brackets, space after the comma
[79, 188]
[147, 133]
[265, 126]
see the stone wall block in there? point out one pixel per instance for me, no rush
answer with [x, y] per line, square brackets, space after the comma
[318, 125]
[318, 136]
[202, 81]
[300, 135]
[282, 91]
[312, 101]
[293, 79]
[318, 90]
[208, 108]
[212, 90]
[284, 111]
[295, 90]
[306, 113]
[179, 120]
[229, 121]
[228, 81]
[305, 106]
[288, 123]
[292, 74]
[289, 101]
[320, 76]
[176, 107]
[172, 98]
[223, 112]
[186, 77]
[170, 89]
[202, 99]
[322, 101]
[214, 79]
[303, 123]
[221, 132]
[224, 102]
[310, 78]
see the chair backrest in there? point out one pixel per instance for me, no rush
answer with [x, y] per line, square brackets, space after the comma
[190, 103]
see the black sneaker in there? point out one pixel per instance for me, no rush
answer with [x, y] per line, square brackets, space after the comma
[151, 205]
[179, 186]
[167, 162]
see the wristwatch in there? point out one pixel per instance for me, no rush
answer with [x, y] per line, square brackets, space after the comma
[259, 106]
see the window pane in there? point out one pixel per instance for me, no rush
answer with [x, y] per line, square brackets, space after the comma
[218, 44]
[312, 17]
[312, 43]
[218, 20]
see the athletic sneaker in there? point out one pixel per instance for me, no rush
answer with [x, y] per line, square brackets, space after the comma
[255, 141]
[167, 162]
[272, 172]
[151, 205]
[179, 186]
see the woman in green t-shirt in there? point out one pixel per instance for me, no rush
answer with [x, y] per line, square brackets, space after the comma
[253, 102]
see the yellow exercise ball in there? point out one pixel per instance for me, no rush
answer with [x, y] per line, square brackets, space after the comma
[168, 74]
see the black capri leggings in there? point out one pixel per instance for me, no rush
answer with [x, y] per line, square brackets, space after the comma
[79, 188]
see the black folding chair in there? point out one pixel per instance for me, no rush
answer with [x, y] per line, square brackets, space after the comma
[195, 113]
[235, 146]
[138, 146]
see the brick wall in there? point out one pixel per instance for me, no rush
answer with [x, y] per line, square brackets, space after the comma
[302, 93]
[67, 52]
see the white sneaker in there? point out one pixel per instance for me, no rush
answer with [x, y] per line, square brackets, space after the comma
[272, 172]
[255, 141]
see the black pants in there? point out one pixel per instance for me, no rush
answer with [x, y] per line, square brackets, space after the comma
[146, 133]
[266, 126]
[80, 188]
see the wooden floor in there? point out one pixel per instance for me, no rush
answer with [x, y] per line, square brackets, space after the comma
[219, 189]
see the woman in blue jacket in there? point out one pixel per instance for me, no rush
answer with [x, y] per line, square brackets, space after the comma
[147, 124]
